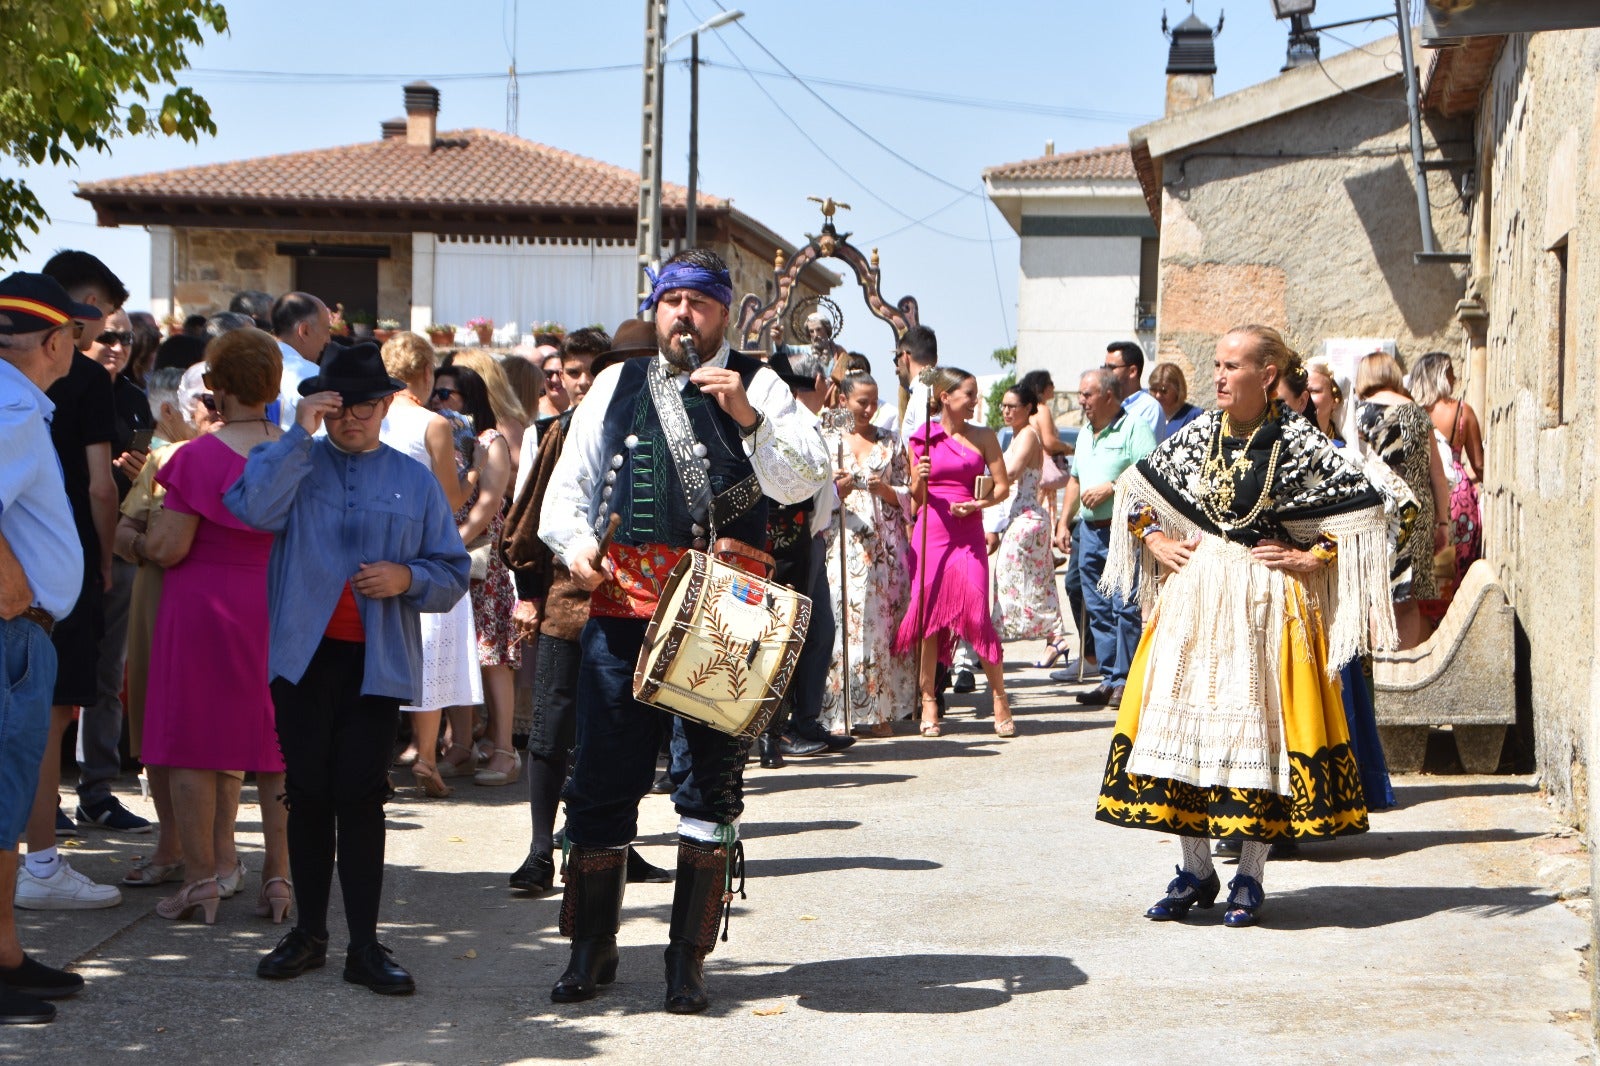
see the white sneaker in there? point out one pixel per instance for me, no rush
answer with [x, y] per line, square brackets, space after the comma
[64, 890]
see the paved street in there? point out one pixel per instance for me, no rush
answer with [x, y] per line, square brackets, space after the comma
[945, 901]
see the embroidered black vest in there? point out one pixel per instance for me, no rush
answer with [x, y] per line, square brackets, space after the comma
[641, 483]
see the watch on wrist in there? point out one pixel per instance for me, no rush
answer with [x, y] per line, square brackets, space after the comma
[746, 432]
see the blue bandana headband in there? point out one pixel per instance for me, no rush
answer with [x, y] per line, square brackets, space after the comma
[715, 284]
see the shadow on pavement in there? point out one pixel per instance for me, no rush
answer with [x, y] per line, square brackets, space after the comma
[1413, 795]
[899, 984]
[809, 865]
[1372, 907]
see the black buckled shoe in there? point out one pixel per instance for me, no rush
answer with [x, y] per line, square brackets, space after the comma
[34, 978]
[537, 874]
[296, 953]
[373, 966]
[838, 741]
[1174, 908]
[591, 914]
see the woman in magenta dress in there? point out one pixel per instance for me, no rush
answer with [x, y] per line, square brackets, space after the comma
[949, 561]
[208, 710]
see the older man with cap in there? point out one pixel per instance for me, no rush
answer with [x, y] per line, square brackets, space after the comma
[365, 542]
[694, 414]
[41, 570]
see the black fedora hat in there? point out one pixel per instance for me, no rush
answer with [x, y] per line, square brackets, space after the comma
[356, 373]
[781, 365]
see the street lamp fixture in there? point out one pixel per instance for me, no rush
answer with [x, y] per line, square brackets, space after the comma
[691, 228]
[1289, 8]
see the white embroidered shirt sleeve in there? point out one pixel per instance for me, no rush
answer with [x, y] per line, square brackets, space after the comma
[566, 522]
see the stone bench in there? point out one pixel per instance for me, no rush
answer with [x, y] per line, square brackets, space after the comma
[1461, 676]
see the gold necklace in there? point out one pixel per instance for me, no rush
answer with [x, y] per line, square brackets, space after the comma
[1230, 428]
[1217, 488]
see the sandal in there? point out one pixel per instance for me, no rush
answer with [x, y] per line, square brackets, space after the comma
[427, 778]
[203, 896]
[449, 767]
[275, 905]
[931, 728]
[486, 776]
[1057, 650]
[147, 874]
[1006, 727]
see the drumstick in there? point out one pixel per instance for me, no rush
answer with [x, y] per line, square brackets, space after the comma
[605, 541]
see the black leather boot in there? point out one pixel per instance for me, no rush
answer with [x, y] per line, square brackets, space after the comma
[696, 910]
[591, 914]
[767, 746]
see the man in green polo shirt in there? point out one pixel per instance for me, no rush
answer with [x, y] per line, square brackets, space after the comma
[1114, 441]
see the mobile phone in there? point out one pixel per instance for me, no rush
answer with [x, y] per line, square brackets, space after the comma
[141, 440]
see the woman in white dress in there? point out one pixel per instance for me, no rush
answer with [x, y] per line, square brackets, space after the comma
[872, 490]
[1026, 603]
[450, 674]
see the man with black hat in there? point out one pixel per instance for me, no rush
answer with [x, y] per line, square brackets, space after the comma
[684, 448]
[41, 572]
[365, 542]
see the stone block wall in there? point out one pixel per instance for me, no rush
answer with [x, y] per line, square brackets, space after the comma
[1307, 223]
[210, 265]
[1538, 148]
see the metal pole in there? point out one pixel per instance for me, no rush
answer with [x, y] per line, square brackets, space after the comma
[1424, 210]
[648, 229]
[690, 226]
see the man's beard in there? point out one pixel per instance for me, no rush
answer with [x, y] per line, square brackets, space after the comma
[673, 353]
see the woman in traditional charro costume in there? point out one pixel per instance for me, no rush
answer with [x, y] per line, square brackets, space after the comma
[1264, 553]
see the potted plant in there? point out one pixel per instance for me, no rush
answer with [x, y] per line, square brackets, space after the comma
[360, 322]
[483, 327]
[387, 327]
[441, 334]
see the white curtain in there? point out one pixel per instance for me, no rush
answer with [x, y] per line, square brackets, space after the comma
[521, 283]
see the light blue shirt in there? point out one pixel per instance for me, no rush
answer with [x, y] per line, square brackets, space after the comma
[1146, 407]
[333, 511]
[35, 517]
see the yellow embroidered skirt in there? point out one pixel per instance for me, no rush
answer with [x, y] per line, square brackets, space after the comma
[1244, 731]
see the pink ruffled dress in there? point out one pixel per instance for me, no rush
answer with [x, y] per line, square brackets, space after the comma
[953, 581]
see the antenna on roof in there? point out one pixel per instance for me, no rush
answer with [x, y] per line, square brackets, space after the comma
[511, 83]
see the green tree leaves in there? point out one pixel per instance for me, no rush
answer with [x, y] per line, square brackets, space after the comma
[79, 73]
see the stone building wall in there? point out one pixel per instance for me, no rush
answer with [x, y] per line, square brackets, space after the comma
[1538, 144]
[210, 265]
[1306, 223]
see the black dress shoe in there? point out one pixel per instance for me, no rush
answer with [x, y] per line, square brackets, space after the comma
[767, 746]
[1183, 892]
[662, 785]
[373, 965]
[19, 1008]
[537, 874]
[35, 979]
[296, 953]
[1095, 697]
[796, 746]
[839, 741]
[642, 871]
[962, 681]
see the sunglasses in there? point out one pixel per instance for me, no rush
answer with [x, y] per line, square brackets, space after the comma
[1113, 366]
[209, 402]
[111, 338]
[445, 394]
[358, 411]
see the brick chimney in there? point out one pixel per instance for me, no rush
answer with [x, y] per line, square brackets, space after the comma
[422, 114]
[1191, 64]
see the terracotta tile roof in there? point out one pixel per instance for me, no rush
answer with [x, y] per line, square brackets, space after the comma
[466, 168]
[1112, 161]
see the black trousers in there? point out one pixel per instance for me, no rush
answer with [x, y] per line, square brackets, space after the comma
[336, 747]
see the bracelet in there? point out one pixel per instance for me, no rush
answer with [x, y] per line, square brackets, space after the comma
[745, 433]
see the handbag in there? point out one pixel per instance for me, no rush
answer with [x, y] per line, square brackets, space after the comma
[479, 551]
[1052, 478]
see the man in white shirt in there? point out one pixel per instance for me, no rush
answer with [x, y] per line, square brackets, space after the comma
[916, 350]
[300, 322]
[1125, 360]
[682, 448]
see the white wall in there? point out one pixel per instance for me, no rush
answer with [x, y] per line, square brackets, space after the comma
[521, 282]
[1076, 295]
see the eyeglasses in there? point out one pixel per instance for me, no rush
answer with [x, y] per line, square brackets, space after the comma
[208, 401]
[111, 338]
[358, 411]
[1113, 366]
[445, 394]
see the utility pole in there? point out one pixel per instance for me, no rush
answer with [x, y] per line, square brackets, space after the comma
[649, 222]
[691, 223]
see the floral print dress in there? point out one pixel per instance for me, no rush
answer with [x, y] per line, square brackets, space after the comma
[882, 687]
[1027, 605]
[494, 597]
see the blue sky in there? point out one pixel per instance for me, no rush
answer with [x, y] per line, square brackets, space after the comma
[1078, 73]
